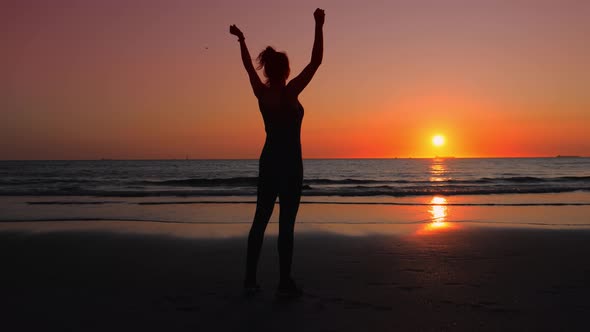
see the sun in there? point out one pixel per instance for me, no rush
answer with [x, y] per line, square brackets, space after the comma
[438, 140]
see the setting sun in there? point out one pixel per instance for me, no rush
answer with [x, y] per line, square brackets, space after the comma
[438, 140]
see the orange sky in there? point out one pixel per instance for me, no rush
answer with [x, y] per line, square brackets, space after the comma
[163, 79]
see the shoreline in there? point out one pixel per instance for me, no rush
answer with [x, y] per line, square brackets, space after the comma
[341, 216]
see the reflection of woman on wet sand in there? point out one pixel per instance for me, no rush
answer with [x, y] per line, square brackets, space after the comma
[280, 168]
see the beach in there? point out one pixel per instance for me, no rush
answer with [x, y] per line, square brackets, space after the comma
[121, 275]
[380, 245]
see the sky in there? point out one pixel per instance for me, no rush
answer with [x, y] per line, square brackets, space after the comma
[160, 79]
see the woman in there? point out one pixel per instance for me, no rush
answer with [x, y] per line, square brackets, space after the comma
[280, 167]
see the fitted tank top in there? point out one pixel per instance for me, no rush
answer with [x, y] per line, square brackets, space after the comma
[282, 123]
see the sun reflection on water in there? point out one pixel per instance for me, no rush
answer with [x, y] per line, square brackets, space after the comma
[438, 209]
[439, 212]
[438, 171]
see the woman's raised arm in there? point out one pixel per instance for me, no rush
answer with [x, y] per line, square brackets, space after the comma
[255, 81]
[299, 83]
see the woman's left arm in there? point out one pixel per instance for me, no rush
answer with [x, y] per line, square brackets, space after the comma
[255, 81]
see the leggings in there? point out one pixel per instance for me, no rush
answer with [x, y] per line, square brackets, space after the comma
[285, 185]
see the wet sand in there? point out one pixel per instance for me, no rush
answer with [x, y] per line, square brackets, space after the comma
[467, 279]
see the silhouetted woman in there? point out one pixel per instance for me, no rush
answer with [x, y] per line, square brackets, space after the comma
[280, 167]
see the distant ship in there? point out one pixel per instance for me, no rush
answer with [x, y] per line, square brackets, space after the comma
[444, 157]
[560, 156]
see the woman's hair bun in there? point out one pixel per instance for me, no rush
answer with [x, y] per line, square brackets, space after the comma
[265, 56]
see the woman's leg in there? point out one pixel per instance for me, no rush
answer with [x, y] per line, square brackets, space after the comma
[289, 204]
[267, 196]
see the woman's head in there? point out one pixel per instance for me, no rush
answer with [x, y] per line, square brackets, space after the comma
[275, 64]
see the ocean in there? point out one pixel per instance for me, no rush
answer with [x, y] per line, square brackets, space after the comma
[186, 190]
[333, 177]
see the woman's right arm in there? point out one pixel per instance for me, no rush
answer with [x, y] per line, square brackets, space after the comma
[300, 82]
[255, 81]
